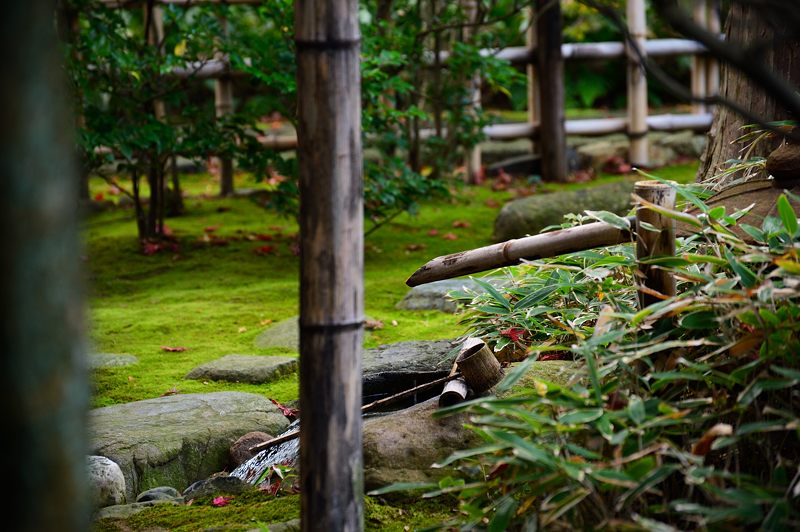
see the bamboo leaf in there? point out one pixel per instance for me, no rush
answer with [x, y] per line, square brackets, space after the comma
[746, 275]
[497, 296]
[611, 219]
[579, 417]
[669, 213]
[787, 215]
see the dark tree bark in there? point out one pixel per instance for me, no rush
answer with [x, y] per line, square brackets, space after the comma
[43, 383]
[747, 26]
[332, 263]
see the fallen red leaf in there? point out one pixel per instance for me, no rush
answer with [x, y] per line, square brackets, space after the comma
[210, 228]
[515, 333]
[461, 223]
[221, 501]
[555, 356]
[450, 236]
[171, 391]
[433, 232]
[265, 250]
[170, 349]
[290, 413]
[372, 325]
[492, 203]
[99, 196]
[415, 247]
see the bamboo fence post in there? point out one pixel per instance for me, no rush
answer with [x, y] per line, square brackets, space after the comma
[651, 243]
[637, 85]
[332, 263]
[712, 65]
[553, 137]
[223, 105]
[533, 84]
[699, 80]
[472, 163]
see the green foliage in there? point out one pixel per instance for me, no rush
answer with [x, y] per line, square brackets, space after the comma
[683, 414]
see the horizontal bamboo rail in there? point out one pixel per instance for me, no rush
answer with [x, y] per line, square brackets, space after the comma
[593, 50]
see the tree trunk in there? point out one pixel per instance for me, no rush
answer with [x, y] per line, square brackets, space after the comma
[744, 26]
[44, 388]
[332, 263]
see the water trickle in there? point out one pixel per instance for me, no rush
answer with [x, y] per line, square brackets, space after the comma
[285, 453]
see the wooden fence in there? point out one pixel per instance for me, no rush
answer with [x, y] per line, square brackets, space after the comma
[544, 53]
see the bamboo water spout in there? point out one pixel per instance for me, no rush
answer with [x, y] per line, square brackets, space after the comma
[510, 253]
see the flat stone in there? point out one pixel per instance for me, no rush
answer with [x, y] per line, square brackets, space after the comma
[284, 333]
[253, 369]
[111, 360]
[434, 296]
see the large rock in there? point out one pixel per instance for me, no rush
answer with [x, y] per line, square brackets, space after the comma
[253, 369]
[435, 295]
[392, 368]
[528, 216]
[111, 360]
[179, 439]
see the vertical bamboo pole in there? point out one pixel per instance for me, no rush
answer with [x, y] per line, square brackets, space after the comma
[472, 163]
[331, 268]
[712, 65]
[553, 137]
[44, 386]
[223, 103]
[637, 86]
[699, 62]
[651, 243]
[533, 84]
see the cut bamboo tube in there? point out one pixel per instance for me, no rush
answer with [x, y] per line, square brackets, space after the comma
[637, 86]
[511, 252]
[651, 243]
[698, 69]
[479, 367]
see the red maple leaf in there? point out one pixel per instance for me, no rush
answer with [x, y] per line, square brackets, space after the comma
[265, 250]
[515, 333]
[221, 501]
[290, 413]
[170, 349]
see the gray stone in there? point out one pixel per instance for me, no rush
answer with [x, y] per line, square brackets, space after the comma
[595, 155]
[106, 482]
[434, 296]
[292, 525]
[111, 360]
[528, 216]
[685, 143]
[178, 439]
[216, 485]
[253, 369]
[161, 493]
[123, 511]
[284, 333]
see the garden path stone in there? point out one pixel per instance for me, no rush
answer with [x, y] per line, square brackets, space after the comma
[111, 360]
[392, 368]
[434, 296]
[284, 333]
[178, 439]
[253, 369]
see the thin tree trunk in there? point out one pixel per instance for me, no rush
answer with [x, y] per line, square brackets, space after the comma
[550, 65]
[745, 26]
[44, 388]
[332, 263]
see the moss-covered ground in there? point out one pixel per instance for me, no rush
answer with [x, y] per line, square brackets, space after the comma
[233, 273]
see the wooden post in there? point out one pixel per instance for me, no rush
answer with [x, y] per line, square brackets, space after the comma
[550, 65]
[223, 104]
[699, 62]
[533, 84]
[332, 263]
[44, 385]
[637, 86]
[472, 163]
[654, 243]
[712, 65]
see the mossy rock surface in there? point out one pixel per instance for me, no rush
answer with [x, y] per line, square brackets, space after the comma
[528, 216]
